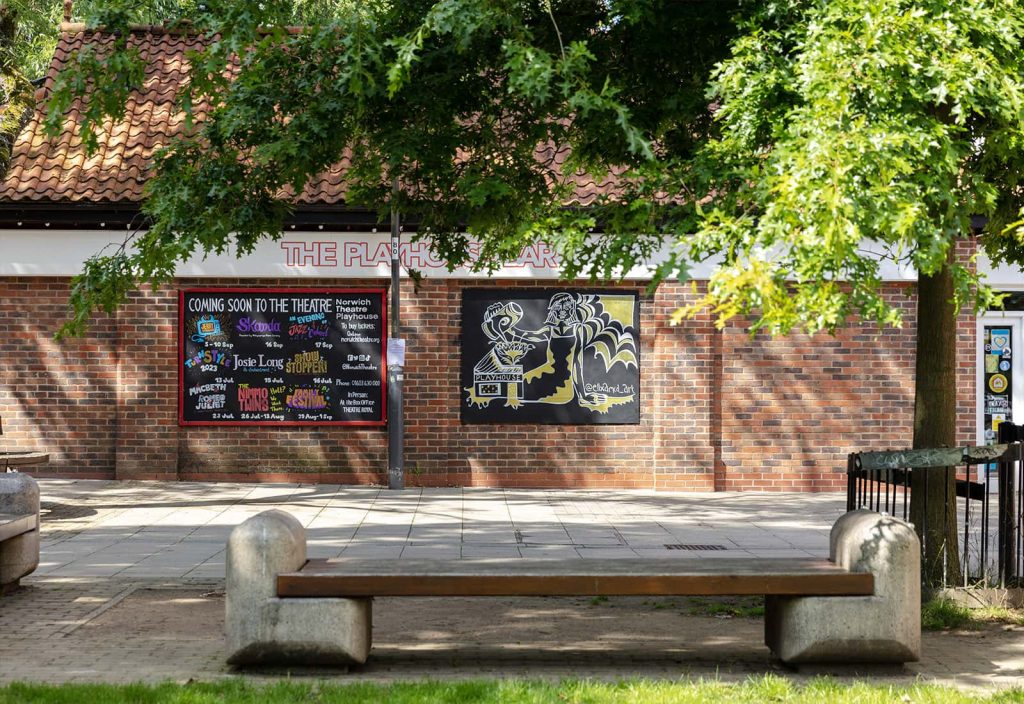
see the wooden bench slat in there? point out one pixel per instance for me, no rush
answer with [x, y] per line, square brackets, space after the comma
[21, 458]
[352, 577]
[13, 525]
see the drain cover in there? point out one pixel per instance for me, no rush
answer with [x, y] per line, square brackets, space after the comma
[681, 546]
[53, 511]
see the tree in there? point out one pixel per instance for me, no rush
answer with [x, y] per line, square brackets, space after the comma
[38, 25]
[886, 121]
[28, 36]
[15, 90]
[799, 142]
[892, 122]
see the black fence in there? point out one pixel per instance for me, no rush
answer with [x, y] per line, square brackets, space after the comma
[988, 544]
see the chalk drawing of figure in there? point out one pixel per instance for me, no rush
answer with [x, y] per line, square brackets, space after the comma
[575, 323]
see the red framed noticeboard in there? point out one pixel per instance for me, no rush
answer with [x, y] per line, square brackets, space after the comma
[282, 356]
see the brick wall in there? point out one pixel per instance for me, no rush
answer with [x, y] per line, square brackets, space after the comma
[720, 410]
[147, 409]
[58, 397]
[966, 359]
[798, 405]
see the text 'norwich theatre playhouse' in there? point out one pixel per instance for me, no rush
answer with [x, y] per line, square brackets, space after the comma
[272, 367]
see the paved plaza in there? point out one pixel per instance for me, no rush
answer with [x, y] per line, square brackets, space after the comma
[130, 585]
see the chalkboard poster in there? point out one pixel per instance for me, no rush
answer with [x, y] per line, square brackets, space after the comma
[550, 356]
[290, 356]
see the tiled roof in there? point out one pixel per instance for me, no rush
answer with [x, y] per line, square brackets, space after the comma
[58, 169]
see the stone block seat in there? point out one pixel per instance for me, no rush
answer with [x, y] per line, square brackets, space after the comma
[882, 627]
[19, 528]
[862, 605]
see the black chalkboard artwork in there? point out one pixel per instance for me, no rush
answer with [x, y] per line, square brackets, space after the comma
[285, 356]
[550, 356]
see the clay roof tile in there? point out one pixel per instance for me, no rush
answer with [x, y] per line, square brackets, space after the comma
[58, 169]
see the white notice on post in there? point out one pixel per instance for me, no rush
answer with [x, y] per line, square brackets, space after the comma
[396, 352]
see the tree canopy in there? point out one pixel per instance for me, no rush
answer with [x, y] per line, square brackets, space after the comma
[38, 21]
[792, 142]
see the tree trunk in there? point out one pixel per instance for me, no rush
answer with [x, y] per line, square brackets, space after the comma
[933, 492]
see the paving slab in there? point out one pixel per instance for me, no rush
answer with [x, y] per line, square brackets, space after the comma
[96, 528]
[113, 631]
[130, 585]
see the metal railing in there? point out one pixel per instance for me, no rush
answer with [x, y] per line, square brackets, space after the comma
[884, 481]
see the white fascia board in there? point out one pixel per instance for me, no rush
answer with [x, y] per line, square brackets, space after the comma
[346, 255]
[294, 255]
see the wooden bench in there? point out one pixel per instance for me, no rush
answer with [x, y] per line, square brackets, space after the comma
[861, 605]
[361, 578]
[21, 458]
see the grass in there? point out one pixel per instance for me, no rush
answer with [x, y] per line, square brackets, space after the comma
[731, 607]
[944, 615]
[936, 615]
[720, 607]
[769, 688]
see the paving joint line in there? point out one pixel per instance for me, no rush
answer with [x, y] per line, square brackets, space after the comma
[99, 610]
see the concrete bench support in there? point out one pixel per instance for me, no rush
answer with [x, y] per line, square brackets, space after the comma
[262, 628]
[885, 627]
[19, 555]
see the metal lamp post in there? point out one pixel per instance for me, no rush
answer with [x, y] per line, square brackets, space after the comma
[396, 361]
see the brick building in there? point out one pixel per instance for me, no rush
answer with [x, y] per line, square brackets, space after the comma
[718, 409]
